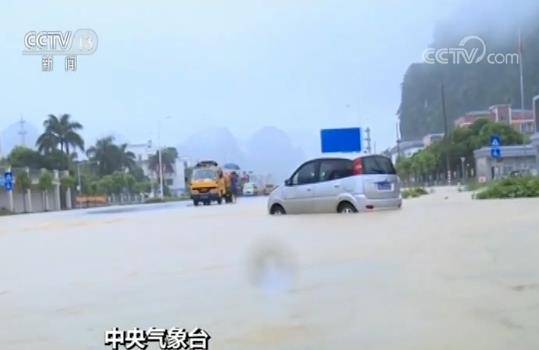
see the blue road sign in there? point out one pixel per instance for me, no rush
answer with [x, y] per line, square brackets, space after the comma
[8, 181]
[341, 140]
[495, 153]
[495, 147]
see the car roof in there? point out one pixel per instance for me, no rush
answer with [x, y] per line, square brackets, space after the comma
[348, 158]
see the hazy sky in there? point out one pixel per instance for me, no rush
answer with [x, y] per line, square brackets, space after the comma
[297, 65]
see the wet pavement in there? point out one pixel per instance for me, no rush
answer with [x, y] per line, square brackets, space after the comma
[445, 272]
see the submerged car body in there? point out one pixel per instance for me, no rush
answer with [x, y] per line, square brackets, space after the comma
[338, 185]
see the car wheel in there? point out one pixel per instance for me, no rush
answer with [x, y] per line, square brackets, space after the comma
[277, 209]
[346, 208]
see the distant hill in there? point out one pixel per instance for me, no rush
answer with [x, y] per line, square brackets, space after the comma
[268, 151]
[214, 143]
[470, 87]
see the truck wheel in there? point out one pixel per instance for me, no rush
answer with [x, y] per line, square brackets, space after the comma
[195, 202]
[207, 202]
[220, 200]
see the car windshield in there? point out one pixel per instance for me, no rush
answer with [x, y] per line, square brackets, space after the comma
[204, 174]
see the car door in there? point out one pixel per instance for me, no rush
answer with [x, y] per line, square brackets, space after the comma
[299, 192]
[330, 185]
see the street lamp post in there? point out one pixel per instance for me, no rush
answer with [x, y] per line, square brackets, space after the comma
[463, 169]
[160, 174]
[79, 185]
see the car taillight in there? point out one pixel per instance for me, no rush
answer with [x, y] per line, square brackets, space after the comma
[358, 166]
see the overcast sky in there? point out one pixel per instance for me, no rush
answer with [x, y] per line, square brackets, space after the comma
[297, 65]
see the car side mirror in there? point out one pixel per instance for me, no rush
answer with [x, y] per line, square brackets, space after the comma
[288, 182]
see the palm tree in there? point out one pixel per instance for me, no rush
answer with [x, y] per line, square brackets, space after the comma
[104, 155]
[127, 158]
[168, 159]
[111, 157]
[60, 133]
[45, 185]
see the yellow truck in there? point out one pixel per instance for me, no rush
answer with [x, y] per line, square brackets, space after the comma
[210, 184]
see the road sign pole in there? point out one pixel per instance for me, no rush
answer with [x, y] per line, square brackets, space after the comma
[9, 190]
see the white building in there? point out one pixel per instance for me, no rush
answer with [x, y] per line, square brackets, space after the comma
[175, 181]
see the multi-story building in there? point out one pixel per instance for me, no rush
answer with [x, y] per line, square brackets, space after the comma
[405, 149]
[432, 138]
[520, 119]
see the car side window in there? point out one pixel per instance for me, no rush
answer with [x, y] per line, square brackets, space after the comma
[305, 175]
[333, 169]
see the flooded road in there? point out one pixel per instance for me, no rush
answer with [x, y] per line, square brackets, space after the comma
[445, 272]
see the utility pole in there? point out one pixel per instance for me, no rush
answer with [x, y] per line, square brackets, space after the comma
[398, 141]
[521, 67]
[368, 140]
[446, 134]
[22, 131]
[160, 162]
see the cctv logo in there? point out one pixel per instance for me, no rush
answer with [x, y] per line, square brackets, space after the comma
[80, 42]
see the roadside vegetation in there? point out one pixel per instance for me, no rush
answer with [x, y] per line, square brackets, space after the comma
[429, 165]
[108, 168]
[513, 187]
[414, 192]
[4, 211]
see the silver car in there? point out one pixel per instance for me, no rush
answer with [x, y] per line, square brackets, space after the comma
[340, 185]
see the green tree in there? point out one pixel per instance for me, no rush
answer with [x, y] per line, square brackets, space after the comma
[23, 183]
[168, 160]
[127, 158]
[45, 184]
[67, 182]
[404, 168]
[105, 185]
[60, 133]
[21, 157]
[111, 157]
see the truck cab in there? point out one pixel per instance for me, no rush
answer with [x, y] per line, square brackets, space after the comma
[209, 184]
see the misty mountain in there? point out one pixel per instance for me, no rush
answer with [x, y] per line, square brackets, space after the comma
[470, 87]
[270, 150]
[213, 143]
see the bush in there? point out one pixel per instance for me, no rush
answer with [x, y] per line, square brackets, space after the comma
[4, 211]
[414, 192]
[474, 186]
[514, 187]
